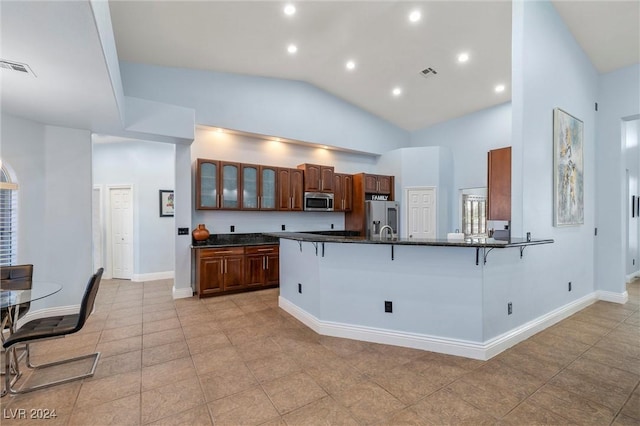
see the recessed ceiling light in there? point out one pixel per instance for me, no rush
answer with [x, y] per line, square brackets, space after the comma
[292, 48]
[499, 88]
[463, 57]
[415, 16]
[289, 10]
[396, 91]
[350, 65]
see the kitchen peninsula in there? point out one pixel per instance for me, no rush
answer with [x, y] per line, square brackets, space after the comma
[451, 296]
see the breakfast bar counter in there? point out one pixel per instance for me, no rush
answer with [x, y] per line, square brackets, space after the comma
[426, 294]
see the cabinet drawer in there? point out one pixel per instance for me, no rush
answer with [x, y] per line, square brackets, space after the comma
[222, 251]
[262, 249]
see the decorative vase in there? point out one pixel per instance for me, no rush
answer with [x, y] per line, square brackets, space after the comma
[201, 233]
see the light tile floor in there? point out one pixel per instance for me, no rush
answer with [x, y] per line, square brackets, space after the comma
[240, 360]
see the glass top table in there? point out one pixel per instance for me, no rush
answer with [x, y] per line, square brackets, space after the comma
[39, 290]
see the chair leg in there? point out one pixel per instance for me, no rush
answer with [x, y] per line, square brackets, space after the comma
[9, 383]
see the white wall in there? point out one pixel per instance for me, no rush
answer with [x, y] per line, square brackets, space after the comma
[269, 106]
[149, 167]
[469, 139]
[53, 168]
[618, 101]
[247, 149]
[422, 167]
[549, 70]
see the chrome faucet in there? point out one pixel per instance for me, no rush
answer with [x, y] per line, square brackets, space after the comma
[383, 229]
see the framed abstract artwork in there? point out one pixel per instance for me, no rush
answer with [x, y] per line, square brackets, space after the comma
[166, 203]
[568, 169]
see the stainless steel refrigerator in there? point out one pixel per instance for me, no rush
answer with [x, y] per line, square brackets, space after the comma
[379, 214]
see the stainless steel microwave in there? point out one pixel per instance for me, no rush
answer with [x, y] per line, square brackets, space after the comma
[318, 202]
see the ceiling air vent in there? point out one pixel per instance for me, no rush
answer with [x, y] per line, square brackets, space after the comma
[428, 72]
[16, 66]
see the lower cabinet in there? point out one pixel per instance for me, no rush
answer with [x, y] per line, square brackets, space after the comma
[262, 266]
[231, 269]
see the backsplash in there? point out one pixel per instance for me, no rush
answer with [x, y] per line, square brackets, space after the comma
[220, 222]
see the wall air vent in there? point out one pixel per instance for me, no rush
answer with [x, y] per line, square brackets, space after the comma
[16, 66]
[428, 72]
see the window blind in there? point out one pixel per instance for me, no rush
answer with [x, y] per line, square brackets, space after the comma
[8, 220]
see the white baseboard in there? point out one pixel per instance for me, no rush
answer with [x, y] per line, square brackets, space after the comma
[482, 351]
[152, 276]
[632, 276]
[181, 293]
[511, 338]
[610, 296]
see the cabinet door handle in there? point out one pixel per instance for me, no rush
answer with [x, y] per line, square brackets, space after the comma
[225, 266]
[221, 268]
[266, 258]
[265, 249]
[263, 267]
[224, 252]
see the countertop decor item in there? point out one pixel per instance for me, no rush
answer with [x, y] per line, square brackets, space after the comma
[201, 233]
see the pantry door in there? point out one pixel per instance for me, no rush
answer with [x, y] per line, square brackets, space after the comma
[421, 212]
[121, 215]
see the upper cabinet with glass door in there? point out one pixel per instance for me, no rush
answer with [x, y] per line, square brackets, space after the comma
[235, 186]
[207, 184]
[230, 185]
[268, 188]
[258, 187]
[217, 185]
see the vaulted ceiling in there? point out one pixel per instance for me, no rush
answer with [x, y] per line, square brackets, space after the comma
[59, 41]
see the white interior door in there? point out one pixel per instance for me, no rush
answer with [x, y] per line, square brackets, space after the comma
[121, 232]
[421, 210]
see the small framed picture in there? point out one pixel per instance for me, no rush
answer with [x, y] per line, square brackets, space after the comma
[166, 203]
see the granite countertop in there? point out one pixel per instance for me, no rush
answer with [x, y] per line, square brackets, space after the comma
[441, 242]
[230, 240]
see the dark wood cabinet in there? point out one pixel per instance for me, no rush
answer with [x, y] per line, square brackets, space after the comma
[207, 184]
[290, 189]
[378, 184]
[231, 187]
[268, 184]
[219, 270]
[363, 184]
[232, 269]
[342, 192]
[258, 187]
[262, 265]
[317, 178]
[218, 185]
[499, 184]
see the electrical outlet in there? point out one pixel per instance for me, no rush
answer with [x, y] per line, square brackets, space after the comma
[283, 227]
[569, 285]
[299, 285]
[183, 231]
[388, 306]
[509, 308]
[232, 228]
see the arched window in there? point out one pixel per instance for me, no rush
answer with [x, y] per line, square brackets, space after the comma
[8, 218]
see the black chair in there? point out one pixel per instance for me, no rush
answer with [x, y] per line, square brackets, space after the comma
[52, 327]
[15, 277]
